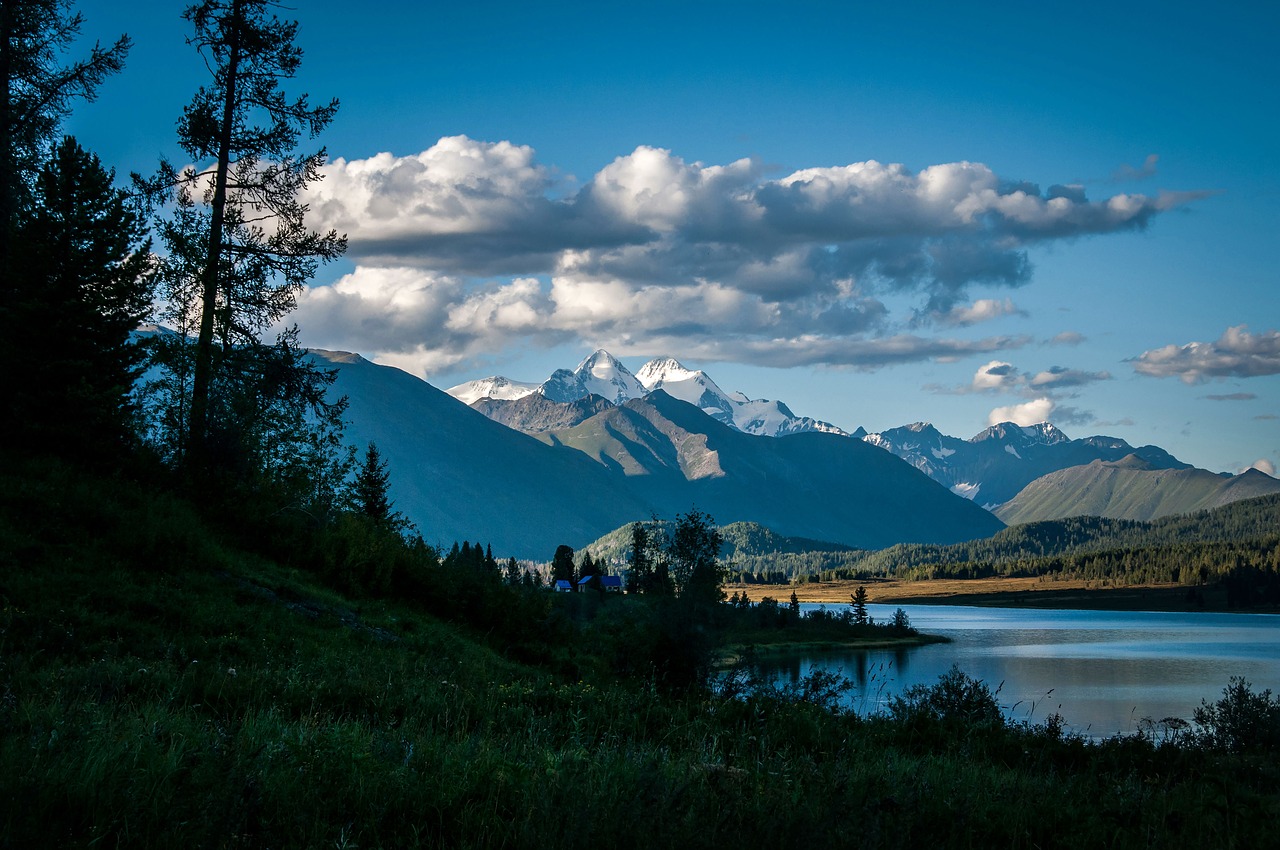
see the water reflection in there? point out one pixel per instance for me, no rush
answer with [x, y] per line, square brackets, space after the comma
[1104, 671]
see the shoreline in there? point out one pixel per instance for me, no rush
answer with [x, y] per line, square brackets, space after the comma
[733, 653]
[1021, 592]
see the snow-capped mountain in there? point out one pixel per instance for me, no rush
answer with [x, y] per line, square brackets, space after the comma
[459, 476]
[495, 387]
[751, 416]
[601, 374]
[994, 465]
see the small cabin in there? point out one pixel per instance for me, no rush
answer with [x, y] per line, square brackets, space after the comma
[563, 586]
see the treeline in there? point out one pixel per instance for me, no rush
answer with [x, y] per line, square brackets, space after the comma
[1250, 519]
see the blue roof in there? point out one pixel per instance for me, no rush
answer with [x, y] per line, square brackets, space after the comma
[611, 581]
[561, 584]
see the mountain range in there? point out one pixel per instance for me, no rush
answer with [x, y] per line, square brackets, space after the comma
[527, 467]
[603, 376]
[995, 465]
[459, 475]
[990, 468]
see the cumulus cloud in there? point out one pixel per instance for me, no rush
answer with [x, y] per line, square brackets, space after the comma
[982, 310]
[1040, 410]
[1264, 465]
[1236, 354]
[1028, 413]
[473, 244]
[997, 376]
[425, 322]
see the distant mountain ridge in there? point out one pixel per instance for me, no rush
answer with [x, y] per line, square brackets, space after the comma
[1130, 488]
[601, 374]
[996, 464]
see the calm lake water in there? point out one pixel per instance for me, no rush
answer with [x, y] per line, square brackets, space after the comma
[1104, 671]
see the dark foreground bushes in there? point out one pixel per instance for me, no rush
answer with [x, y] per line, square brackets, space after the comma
[220, 699]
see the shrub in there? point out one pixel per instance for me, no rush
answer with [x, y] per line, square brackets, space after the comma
[956, 698]
[1242, 721]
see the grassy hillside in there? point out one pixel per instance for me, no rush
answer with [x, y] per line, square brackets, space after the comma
[166, 682]
[1130, 489]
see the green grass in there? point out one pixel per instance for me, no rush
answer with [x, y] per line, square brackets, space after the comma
[160, 687]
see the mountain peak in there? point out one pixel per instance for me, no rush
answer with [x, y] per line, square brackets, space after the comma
[661, 370]
[494, 387]
[1042, 434]
[599, 360]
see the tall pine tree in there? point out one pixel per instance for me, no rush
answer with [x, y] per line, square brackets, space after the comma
[36, 93]
[239, 248]
[84, 285]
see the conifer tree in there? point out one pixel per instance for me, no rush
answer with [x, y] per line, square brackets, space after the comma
[85, 284]
[858, 599]
[239, 247]
[640, 576]
[562, 564]
[586, 567]
[36, 93]
[369, 490]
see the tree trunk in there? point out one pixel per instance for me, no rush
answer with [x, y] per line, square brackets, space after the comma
[202, 379]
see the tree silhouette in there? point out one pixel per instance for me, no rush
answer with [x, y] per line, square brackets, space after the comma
[562, 564]
[82, 284]
[239, 247]
[858, 599]
[36, 92]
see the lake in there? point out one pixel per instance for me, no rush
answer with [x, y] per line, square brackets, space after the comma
[1104, 671]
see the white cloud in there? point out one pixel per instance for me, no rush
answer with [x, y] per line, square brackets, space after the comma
[1060, 377]
[982, 310]
[995, 376]
[1236, 354]
[472, 246]
[1028, 413]
[1264, 465]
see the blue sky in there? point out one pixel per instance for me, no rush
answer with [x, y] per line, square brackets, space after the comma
[877, 213]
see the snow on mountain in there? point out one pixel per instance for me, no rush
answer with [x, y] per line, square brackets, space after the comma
[1044, 434]
[751, 416]
[563, 386]
[696, 388]
[495, 387]
[998, 462]
[601, 374]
